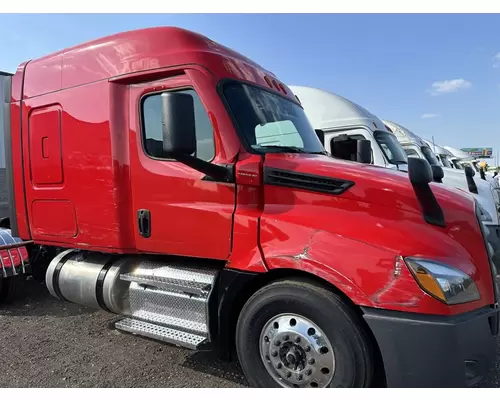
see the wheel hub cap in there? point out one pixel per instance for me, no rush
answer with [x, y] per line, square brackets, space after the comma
[296, 352]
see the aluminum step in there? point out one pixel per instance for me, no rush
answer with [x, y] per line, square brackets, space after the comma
[171, 295]
[173, 276]
[161, 333]
[193, 287]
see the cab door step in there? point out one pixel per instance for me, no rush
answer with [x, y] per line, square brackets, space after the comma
[169, 302]
[161, 333]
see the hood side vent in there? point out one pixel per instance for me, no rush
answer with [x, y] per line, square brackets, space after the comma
[300, 180]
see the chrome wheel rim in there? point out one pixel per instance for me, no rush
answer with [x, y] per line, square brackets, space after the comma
[296, 352]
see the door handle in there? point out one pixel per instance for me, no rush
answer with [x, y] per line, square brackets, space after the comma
[45, 152]
[144, 222]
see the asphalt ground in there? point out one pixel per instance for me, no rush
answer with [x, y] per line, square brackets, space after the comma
[47, 343]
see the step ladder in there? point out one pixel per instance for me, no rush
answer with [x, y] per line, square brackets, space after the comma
[169, 303]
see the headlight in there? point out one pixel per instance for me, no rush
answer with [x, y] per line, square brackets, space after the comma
[445, 283]
[483, 215]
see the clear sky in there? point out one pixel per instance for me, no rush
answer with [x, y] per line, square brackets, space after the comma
[435, 74]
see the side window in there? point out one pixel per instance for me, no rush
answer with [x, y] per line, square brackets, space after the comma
[411, 152]
[347, 150]
[357, 137]
[152, 134]
[356, 134]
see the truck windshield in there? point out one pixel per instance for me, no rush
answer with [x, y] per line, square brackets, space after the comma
[391, 147]
[270, 123]
[429, 155]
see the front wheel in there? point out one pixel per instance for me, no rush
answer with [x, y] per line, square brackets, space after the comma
[298, 334]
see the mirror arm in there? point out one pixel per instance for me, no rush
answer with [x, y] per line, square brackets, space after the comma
[214, 172]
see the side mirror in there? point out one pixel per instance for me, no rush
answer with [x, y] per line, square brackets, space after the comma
[179, 136]
[469, 176]
[437, 173]
[419, 171]
[178, 124]
[321, 136]
[469, 172]
[364, 151]
[420, 174]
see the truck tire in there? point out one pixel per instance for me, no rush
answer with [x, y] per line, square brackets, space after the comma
[9, 288]
[293, 333]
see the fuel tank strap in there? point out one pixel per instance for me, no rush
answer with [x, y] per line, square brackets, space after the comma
[99, 288]
[55, 275]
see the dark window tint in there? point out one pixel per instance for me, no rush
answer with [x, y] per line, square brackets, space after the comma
[269, 122]
[411, 153]
[153, 137]
[391, 147]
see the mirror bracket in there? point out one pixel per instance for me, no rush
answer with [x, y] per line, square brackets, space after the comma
[213, 172]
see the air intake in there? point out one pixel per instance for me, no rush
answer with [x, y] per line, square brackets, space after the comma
[299, 180]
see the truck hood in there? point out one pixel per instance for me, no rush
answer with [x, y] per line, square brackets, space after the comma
[373, 217]
[371, 184]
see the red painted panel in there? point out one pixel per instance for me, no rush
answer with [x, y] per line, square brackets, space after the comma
[44, 223]
[139, 51]
[190, 216]
[17, 83]
[95, 167]
[42, 76]
[246, 254]
[45, 146]
[352, 240]
[19, 178]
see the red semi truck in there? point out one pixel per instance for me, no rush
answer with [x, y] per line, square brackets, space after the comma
[173, 181]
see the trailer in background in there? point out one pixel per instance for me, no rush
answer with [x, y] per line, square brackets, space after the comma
[14, 259]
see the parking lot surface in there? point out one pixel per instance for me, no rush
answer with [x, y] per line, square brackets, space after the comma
[47, 343]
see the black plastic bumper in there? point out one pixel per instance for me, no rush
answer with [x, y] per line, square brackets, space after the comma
[435, 351]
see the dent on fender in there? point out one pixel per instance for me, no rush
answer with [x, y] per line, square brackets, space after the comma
[347, 264]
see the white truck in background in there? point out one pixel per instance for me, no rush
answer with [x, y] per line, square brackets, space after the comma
[444, 156]
[466, 159]
[463, 158]
[485, 193]
[339, 118]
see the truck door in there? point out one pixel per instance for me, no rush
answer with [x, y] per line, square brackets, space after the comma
[177, 210]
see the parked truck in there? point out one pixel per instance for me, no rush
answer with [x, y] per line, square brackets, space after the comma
[463, 158]
[466, 180]
[444, 156]
[341, 120]
[173, 181]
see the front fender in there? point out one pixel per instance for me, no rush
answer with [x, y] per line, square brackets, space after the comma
[370, 276]
[364, 273]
